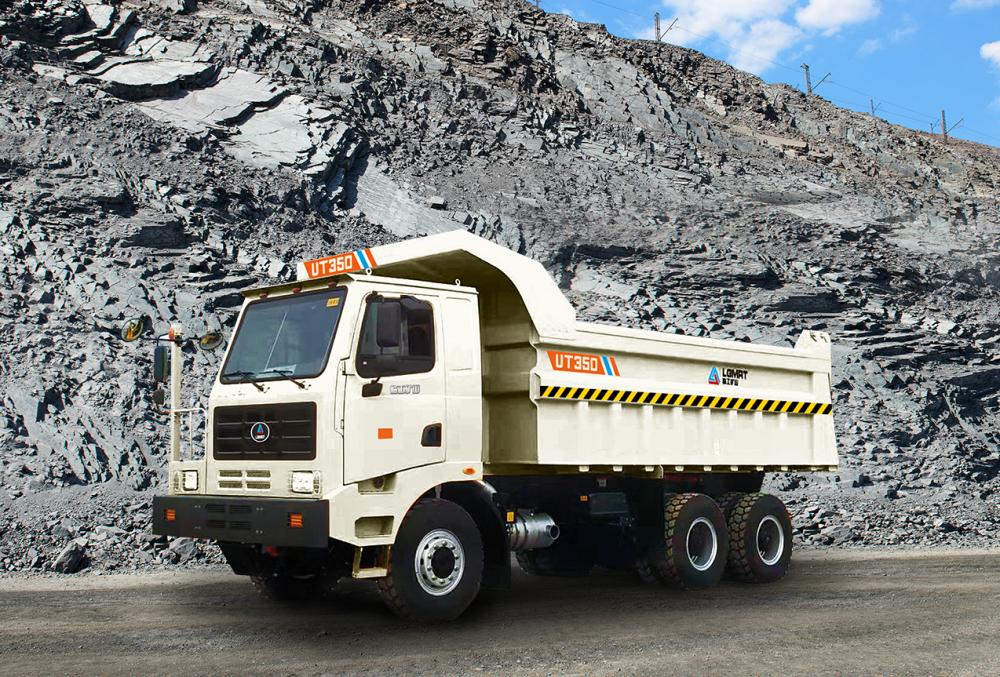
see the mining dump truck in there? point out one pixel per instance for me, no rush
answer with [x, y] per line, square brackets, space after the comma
[416, 413]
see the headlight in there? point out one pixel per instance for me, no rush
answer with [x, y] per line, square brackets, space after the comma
[190, 480]
[302, 482]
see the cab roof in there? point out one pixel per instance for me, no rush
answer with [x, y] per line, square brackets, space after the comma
[446, 258]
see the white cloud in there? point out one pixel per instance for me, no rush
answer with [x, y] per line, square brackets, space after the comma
[647, 33]
[758, 31]
[830, 16]
[729, 19]
[762, 44]
[991, 52]
[974, 4]
[872, 45]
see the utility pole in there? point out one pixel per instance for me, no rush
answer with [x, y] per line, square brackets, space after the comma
[810, 87]
[873, 106]
[944, 128]
[656, 26]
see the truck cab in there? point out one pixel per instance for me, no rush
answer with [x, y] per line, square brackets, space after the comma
[329, 391]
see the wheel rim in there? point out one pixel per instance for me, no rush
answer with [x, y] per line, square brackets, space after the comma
[702, 544]
[439, 562]
[770, 540]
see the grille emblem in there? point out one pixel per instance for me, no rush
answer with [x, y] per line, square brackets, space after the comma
[260, 432]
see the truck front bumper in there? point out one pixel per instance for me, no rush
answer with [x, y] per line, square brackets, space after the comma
[267, 521]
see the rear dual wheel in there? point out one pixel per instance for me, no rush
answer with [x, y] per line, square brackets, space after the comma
[695, 544]
[760, 534]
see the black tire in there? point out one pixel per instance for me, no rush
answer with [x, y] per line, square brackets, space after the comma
[433, 591]
[728, 501]
[696, 542]
[760, 535]
[288, 588]
[561, 559]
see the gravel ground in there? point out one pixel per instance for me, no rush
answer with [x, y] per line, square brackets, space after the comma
[861, 612]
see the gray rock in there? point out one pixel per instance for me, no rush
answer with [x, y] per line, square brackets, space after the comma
[184, 548]
[71, 557]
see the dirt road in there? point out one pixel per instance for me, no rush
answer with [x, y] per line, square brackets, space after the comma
[854, 613]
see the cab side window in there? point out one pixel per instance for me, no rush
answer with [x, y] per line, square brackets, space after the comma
[397, 337]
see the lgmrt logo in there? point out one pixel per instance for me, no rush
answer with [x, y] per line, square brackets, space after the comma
[727, 376]
[260, 432]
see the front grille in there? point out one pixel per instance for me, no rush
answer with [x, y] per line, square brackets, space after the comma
[259, 480]
[220, 509]
[290, 433]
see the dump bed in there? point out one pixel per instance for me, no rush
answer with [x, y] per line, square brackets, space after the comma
[625, 397]
[558, 392]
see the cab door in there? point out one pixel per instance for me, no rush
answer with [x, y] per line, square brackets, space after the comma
[394, 406]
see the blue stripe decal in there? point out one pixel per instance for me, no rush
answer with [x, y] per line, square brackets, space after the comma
[607, 365]
[362, 259]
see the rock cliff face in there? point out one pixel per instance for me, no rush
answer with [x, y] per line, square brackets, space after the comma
[158, 157]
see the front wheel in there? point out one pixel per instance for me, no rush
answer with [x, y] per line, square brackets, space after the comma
[436, 566]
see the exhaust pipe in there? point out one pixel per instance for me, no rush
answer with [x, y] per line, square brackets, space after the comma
[531, 531]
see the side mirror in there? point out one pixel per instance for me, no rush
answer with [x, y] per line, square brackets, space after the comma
[388, 325]
[135, 327]
[159, 397]
[161, 363]
[210, 341]
[373, 389]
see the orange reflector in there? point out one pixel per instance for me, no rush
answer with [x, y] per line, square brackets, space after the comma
[584, 498]
[170, 334]
[295, 520]
[510, 516]
[385, 433]
[469, 471]
[170, 515]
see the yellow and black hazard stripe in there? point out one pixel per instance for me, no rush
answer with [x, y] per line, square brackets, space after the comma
[696, 401]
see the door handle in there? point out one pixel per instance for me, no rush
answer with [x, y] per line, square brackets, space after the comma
[431, 436]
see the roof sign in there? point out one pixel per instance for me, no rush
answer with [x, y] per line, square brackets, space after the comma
[338, 264]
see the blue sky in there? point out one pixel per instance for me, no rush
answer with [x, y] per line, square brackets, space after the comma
[913, 57]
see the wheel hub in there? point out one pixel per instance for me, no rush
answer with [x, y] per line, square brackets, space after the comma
[770, 540]
[702, 544]
[439, 562]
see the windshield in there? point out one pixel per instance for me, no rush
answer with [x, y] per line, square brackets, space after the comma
[284, 337]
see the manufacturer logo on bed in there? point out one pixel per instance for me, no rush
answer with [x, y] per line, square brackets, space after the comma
[727, 376]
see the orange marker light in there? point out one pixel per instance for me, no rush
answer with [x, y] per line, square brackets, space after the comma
[385, 433]
[295, 520]
[170, 515]
[584, 498]
[469, 471]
